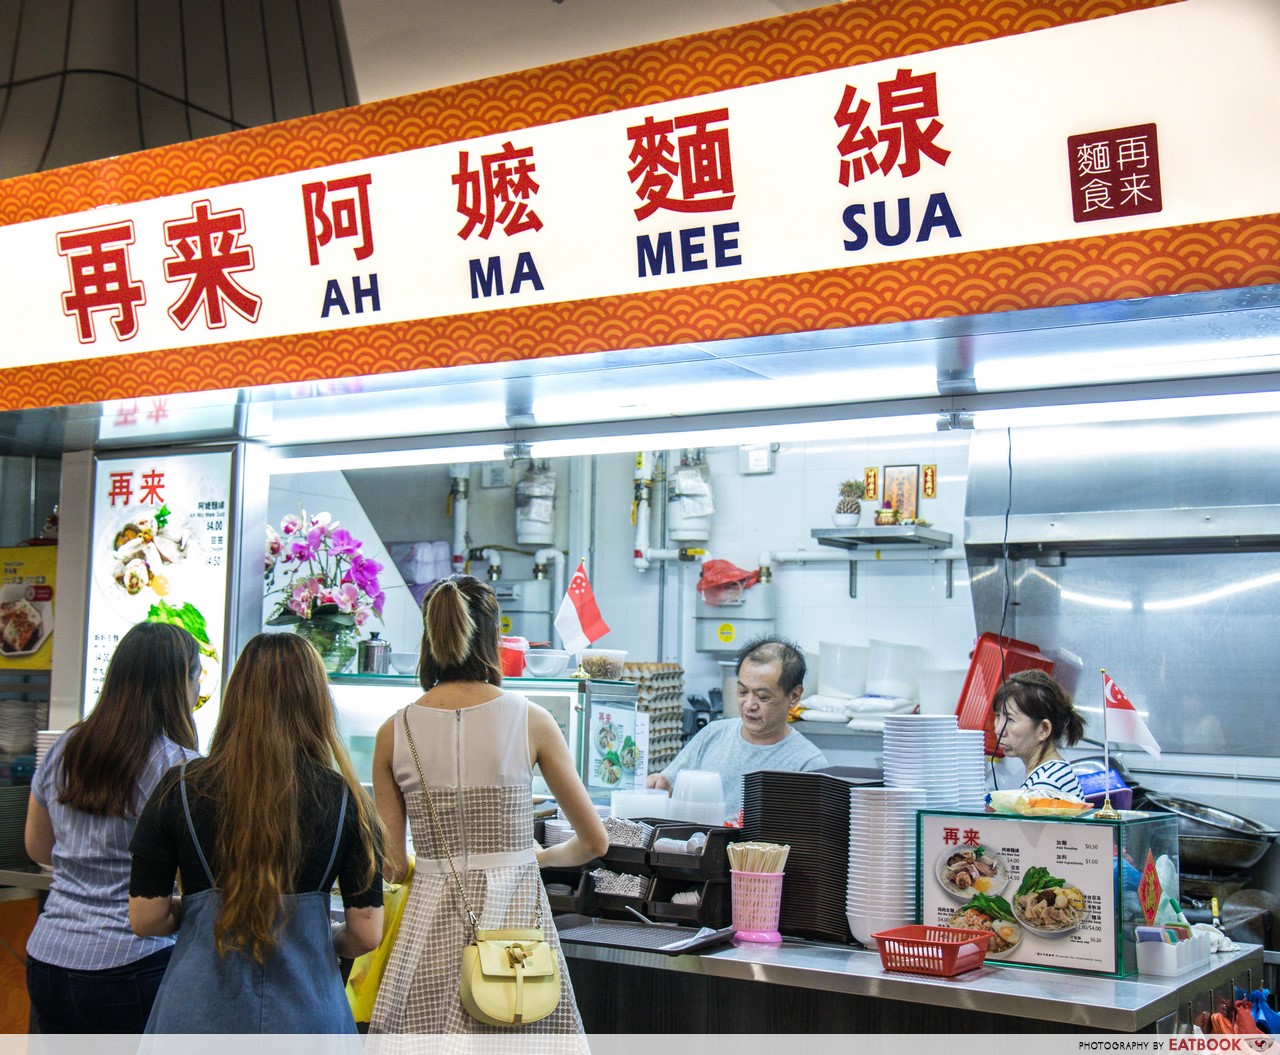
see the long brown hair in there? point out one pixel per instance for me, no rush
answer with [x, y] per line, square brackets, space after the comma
[276, 713]
[460, 630]
[147, 693]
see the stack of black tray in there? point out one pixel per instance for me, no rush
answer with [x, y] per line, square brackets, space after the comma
[810, 813]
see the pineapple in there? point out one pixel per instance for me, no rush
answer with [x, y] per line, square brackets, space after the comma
[851, 491]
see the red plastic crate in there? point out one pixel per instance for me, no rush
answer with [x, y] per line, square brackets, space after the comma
[938, 951]
[994, 659]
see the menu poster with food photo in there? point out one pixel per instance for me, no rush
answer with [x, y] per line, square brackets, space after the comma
[27, 575]
[614, 754]
[160, 553]
[1044, 889]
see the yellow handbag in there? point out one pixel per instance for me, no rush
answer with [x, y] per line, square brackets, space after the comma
[509, 977]
[366, 970]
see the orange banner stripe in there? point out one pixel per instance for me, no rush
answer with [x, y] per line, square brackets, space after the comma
[1219, 255]
[788, 46]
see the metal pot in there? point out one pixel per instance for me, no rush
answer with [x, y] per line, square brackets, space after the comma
[1211, 838]
[375, 656]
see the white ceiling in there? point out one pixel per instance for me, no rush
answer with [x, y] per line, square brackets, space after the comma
[399, 47]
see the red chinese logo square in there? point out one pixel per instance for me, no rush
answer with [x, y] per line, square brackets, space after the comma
[1114, 173]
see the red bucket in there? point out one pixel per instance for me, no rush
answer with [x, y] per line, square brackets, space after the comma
[511, 653]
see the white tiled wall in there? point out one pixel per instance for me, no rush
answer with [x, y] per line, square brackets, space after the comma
[897, 601]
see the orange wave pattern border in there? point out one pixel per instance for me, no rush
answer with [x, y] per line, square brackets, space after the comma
[1195, 258]
[826, 38]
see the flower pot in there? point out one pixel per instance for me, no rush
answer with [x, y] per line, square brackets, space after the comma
[846, 520]
[336, 642]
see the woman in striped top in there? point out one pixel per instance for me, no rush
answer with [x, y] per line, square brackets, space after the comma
[86, 970]
[1034, 716]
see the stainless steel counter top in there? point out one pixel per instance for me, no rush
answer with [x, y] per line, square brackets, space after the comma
[1128, 1004]
[25, 878]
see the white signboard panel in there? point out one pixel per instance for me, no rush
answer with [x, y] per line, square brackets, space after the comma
[1148, 119]
[159, 552]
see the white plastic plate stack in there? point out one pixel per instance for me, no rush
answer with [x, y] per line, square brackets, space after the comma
[973, 769]
[45, 739]
[920, 751]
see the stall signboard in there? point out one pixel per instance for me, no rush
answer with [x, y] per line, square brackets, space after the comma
[27, 575]
[996, 159]
[615, 752]
[1046, 889]
[159, 553]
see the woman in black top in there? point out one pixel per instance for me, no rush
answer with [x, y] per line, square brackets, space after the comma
[260, 829]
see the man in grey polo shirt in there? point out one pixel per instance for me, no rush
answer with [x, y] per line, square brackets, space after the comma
[770, 682]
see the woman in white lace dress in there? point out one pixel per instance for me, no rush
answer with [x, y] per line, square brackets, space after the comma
[477, 745]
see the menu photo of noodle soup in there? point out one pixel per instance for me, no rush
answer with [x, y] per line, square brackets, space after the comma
[613, 750]
[1043, 889]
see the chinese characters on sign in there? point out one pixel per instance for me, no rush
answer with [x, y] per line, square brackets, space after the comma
[699, 158]
[345, 216]
[498, 192]
[1114, 173]
[908, 131]
[902, 137]
[207, 253]
[98, 260]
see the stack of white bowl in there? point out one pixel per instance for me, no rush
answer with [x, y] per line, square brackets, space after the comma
[698, 797]
[920, 752]
[973, 769]
[882, 859]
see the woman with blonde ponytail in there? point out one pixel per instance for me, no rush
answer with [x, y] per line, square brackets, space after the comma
[475, 745]
[260, 830]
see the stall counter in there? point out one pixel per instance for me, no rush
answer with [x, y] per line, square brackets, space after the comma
[622, 990]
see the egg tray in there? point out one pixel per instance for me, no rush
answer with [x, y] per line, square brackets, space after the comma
[713, 909]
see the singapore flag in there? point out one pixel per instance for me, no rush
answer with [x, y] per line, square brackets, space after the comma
[1123, 722]
[578, 619]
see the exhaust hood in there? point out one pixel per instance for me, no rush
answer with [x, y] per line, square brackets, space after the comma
[1147, 548]
[1202, 484]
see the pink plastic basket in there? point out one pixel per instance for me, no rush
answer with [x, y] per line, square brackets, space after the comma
[757, 903]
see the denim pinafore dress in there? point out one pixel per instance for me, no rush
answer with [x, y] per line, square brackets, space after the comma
[297, 990]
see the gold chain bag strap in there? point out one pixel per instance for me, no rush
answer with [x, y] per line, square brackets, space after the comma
[509, 977]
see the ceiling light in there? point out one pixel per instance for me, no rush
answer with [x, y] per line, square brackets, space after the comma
[1111, 365]
[847, 429]
[303, 463]
[1129, 410]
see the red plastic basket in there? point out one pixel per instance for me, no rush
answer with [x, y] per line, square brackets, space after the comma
[939, 951]
[991, 664]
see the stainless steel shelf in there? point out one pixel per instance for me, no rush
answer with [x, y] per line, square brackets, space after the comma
[909, 537]
[891, 542]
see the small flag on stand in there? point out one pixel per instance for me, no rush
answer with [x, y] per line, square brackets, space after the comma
[1121, 720]
[578, 619]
